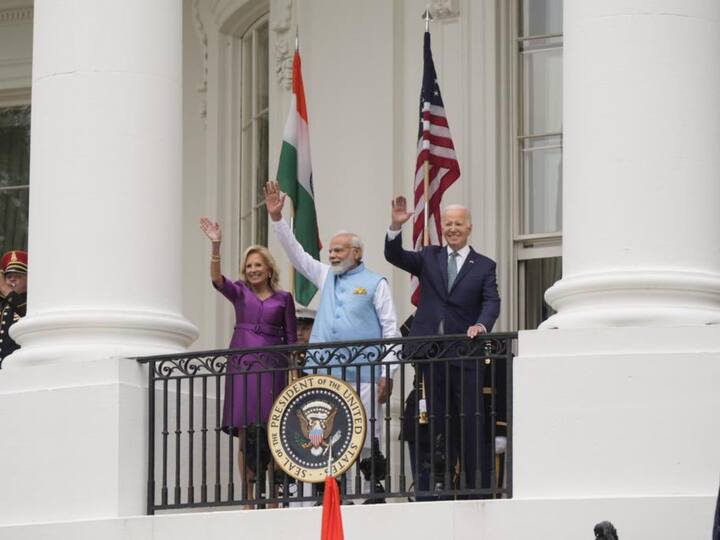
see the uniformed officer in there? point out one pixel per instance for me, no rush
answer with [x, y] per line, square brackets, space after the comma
[13, 297]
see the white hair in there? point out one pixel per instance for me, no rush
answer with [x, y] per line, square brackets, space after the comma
[459, 207]
[355, 240]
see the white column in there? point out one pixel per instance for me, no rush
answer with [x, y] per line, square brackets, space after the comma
[106, 176]
[104, 271]
[641, 232]
[619, 405]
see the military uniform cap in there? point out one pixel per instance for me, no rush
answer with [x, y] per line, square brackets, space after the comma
[14, 261]
[305, 314]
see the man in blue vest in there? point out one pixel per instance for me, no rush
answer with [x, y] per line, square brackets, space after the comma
[355, 303]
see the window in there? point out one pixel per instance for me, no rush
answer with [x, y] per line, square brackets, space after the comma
[14, 177]
[537, 178]
[538, 276]
[254, 170]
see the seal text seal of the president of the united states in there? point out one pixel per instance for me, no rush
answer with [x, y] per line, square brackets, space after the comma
[313, 416]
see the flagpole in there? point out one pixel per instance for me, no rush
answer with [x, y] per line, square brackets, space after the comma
[292, 218]
[422, 402]
[426, 187]
[426, 164]
[294, 373]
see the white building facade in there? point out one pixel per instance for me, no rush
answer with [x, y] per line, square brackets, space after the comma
[586, 133]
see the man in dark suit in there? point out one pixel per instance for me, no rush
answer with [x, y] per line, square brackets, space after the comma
[458, 295]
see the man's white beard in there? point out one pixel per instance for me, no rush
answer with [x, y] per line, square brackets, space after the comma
[343, 266]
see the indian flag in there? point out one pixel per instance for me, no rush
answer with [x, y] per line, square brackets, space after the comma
[295, 178]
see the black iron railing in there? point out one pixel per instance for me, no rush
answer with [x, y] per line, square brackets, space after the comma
[461, 448]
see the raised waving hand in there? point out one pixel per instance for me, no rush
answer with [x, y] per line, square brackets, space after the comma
[211, 229]
[399, 213]
[274, 200]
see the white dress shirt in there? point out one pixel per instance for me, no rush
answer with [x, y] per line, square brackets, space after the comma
[317, 272]
[462, 254]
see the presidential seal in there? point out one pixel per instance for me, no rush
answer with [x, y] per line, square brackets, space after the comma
[315, 419]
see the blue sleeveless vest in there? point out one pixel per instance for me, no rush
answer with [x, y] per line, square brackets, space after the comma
[347, 313]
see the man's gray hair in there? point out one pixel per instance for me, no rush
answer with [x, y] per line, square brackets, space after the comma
[355, 240]
[458, 207]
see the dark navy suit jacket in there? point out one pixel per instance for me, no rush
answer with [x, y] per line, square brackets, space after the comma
[473, 298]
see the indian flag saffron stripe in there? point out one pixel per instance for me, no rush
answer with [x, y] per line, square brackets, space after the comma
[295, 178]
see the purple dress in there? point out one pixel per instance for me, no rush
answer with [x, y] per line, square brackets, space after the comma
[258, 323]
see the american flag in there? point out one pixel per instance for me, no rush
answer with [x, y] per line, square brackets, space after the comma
[436, 147]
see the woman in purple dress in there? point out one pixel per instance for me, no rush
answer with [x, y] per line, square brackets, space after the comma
[264, 316]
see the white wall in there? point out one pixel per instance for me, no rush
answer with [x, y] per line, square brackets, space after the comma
[660, 518]
[617, 412]
[74, 441]
[349, 88]
[196, 249]
[15, 49]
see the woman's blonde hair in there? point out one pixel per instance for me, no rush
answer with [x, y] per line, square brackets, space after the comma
[269, 261]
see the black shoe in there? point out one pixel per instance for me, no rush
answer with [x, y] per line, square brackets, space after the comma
[378, 488]
[375, 464]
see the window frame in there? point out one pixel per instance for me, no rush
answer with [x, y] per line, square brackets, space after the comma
[525, 246]
[11, 99]
[250, 200]
[233, 180]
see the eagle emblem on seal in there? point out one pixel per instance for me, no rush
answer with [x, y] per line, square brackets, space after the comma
[316, 421]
